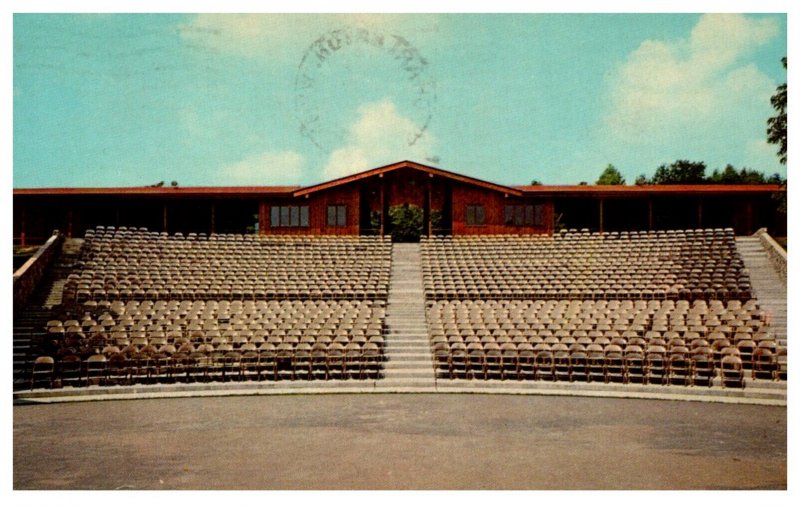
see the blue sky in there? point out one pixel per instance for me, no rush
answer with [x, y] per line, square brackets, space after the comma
[128, 100]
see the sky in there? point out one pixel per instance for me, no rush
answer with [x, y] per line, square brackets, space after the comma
[271, 99]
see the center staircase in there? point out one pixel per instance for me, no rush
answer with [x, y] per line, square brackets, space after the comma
[409, 361]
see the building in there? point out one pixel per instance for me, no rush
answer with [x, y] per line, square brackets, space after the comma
[451, 203]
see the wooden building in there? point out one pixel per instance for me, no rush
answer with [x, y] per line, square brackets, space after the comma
[451, 203]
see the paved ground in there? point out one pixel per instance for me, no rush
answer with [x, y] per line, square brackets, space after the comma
[399, 442]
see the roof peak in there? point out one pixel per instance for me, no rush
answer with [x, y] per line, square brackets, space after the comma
[407, 164]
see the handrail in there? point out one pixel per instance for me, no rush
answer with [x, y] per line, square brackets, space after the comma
[775, 252]
[28, 276]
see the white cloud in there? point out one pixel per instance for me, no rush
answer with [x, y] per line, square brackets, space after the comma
[719, 39]
[690, 85]
[380, 135]
[762, 156]
[268, 168]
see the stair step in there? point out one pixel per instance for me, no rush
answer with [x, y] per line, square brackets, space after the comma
[407, 344]
[768, 287]
[408, 356]
[416, 374]
[407, 365]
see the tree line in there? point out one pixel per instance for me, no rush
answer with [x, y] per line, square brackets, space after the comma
[686, 172]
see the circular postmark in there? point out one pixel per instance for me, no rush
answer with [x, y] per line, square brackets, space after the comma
[331, 74]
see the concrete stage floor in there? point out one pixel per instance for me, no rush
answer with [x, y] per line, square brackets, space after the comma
[399, 441]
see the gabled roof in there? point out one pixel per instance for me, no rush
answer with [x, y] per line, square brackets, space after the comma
[406, 164]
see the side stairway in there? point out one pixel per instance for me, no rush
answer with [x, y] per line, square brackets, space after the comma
[769, 287]
[409, 361]
[29, 324]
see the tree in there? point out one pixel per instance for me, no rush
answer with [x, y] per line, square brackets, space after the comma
[680, 172]
[610, 176]
[406, 222]
[535, 182]
[642, 180]
[745, 176]
[776, 126]
[727, 176]
[776, 179]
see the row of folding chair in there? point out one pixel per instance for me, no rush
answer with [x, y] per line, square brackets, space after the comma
[572, 366]
[160, 367]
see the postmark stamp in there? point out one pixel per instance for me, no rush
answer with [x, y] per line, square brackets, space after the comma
[325, 64]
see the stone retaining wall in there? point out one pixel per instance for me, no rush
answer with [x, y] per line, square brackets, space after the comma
[27, 277]
[775, 252]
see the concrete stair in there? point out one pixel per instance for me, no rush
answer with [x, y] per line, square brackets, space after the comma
[408, 352]
[768, 286]
[62, 267]
[29, 324]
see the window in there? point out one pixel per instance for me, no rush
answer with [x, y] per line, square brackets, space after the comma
[529, 215]
[539, 215]
[303, 216]
[519, 214]
[337, 215]
[288, 216]
[524, 214]
[475, 215]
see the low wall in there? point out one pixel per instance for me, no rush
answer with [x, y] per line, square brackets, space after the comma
[28, 276]
[775, 252]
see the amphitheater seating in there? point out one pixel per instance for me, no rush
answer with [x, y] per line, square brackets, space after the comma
[655, 265]
[148, 307]
[658, 307]
[139, 342]
[610, 341]
[665, 307]
[134, 264]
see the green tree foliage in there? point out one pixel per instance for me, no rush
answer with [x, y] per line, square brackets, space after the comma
[745, 176]
[535, 182]
[406, 222]
[776, 126]
[680, 172]
[684, 172]
[610, 176]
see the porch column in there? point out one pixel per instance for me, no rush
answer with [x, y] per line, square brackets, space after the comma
[428, 199]
[69, 222]
[214, 218]
[383, 203]
[22, 228]
[164, 227]
[749, 216]
[601, 214]
[650, 213]
[699, 212]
